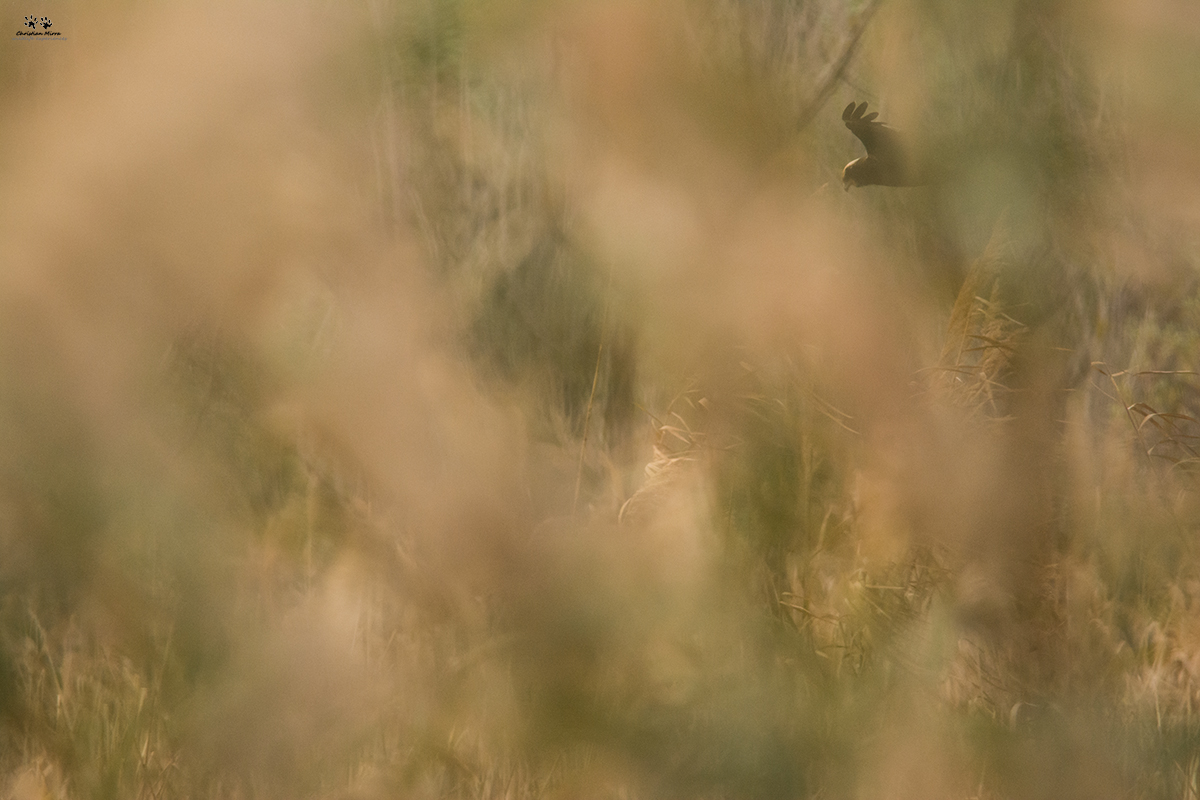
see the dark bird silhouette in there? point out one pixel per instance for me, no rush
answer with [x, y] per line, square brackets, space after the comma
[888, 161]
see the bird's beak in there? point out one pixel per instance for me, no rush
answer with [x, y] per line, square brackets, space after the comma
[845, 187]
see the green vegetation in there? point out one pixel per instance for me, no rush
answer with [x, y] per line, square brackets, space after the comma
[465, 398]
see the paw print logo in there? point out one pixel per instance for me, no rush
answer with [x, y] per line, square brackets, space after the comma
[31, 22]
[45, 23]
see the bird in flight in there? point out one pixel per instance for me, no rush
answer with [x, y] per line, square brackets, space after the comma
[887, 162]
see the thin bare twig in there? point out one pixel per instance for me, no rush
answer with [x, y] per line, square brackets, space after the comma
[587, 417]
[833, 74]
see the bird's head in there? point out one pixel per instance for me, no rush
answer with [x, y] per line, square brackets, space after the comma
[852, 173]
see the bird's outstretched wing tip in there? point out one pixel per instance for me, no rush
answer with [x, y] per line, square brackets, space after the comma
[855, 111]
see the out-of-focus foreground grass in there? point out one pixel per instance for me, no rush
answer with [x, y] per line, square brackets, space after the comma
[469, 398]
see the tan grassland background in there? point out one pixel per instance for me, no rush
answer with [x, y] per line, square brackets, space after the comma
[502, 399]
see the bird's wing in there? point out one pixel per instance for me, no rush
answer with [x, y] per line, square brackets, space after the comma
[880, 140]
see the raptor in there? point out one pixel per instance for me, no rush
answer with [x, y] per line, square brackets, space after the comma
[888, 161]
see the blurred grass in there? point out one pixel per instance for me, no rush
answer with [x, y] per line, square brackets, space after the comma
[460, 398]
